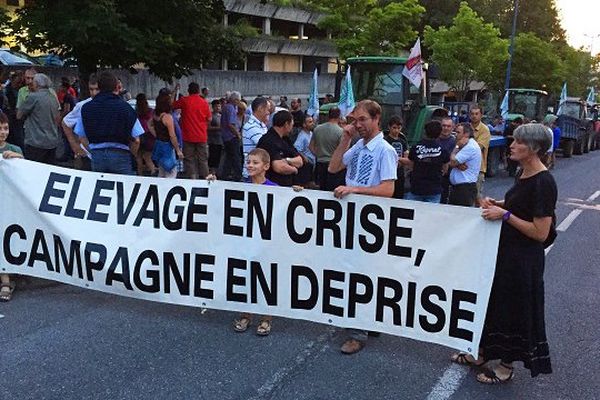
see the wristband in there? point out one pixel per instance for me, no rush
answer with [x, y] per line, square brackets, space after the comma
[506, 216]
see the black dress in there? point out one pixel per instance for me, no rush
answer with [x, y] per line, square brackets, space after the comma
[514, 328]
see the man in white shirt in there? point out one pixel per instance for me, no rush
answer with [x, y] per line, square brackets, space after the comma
[466, 163]
[371, 166]
[255, 128]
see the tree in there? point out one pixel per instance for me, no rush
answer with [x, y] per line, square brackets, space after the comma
[535, 64]
[170, 37]
[578, 69]
[4, 26]
[369, 27]
[467, 51]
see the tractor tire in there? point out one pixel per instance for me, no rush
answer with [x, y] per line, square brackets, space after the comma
[567, 148]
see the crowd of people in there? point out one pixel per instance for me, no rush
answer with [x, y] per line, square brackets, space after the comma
[263, 143]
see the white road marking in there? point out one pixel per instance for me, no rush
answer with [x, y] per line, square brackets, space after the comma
[1, 316]
[454, 374]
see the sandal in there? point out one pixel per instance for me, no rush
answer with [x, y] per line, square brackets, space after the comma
[264, 328]
[463, 359]
[489, 377]
[241, 325]
[6, 291]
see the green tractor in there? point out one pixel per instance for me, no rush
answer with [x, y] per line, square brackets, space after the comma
[380, 79]
[529, 104]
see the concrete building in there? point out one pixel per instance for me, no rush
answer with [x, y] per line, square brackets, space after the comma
[288, 41]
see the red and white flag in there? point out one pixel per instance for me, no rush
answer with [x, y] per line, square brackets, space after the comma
[413, 70]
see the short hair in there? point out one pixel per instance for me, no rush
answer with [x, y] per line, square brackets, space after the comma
[476, 107]
[235, 96]
[395, 120]
[3, 118]
[535, 136]
[204, 89]
[305, 117]
[467, 128]
[107, 82]
[193, 88]
[371, 107]
[334, 113]
[433, 129]
[93, 79]
[42, 81]
[262, 154]
[447, 119]
[259, 102]
[65, 82]
[282, 117]
[215, 102]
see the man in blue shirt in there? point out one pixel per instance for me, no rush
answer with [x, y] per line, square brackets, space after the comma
[111, 127]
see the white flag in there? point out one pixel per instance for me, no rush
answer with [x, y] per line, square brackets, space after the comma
[313, 100]
[347, 103]
[504, 106]
[413, 70]
[563, 98]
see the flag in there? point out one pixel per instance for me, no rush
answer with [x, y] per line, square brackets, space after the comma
[346, 104]
[413, 70]
[313, 100]
[504, 107]
[563, 98]
[591, 99]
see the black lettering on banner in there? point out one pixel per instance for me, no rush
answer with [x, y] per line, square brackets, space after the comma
[193, 209]
[396, 231]
[263, 219]
[332, 224]
[122, 210]
[98, 199]
[150, 208]
[391, 302]
[309, 303]
[257, 276]
[433, 309]
[72, 260]
[8, 255]
[90, 265]
[235, 280]
[178, 210]
[350, 225]
[329, 292]
[154, 275]
[200, 275]
[71, 211]
[38, 254]
[354, 297]
[171, 268]
[410, 304]
[121, 258]
[232, 212]
[51, 191]
[297, 237]
[371, 228]
[457, 313]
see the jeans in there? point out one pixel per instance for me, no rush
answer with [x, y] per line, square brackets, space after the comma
[427, 198]
[114, 161]
[232, 164]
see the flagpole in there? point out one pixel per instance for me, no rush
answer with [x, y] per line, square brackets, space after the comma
[512, 46]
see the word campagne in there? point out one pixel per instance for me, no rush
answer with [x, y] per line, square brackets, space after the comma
[359, 262]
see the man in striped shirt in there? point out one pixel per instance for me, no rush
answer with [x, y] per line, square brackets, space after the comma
[255, 128]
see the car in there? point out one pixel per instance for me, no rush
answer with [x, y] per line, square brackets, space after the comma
[16, 58]
[49, 60]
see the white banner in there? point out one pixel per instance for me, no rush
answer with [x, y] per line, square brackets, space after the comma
[405, 268]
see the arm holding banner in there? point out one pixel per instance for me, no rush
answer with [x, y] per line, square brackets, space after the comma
[384, 189]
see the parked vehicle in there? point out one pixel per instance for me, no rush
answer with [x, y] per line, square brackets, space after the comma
[14, 58]
[380, 79]
[528, 104]
[576, 128]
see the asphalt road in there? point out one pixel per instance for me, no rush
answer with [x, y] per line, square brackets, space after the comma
[62, 342]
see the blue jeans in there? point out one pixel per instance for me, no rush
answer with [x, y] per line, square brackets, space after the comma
[431, 198]
[114, 161]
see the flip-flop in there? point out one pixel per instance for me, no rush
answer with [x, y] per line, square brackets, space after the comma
[489, 377]
[462, 359]
[264, 328]
[241, 325]
[4, 295]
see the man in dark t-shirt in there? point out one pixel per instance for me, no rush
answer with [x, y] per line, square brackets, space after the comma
[285, 159]
[428, 159]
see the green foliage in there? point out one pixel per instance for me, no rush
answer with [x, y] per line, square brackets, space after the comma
[4, 26]
[535, 64]
[370, 27]
[577, 70]
[170, 37]
[467, 51]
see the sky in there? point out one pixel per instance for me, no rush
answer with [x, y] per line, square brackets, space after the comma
[581, 20]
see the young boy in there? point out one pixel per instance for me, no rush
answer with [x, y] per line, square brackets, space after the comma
[257, 165]
[396, 138]
[7, 150]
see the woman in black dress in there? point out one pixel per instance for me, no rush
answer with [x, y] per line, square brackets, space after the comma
[514, 329]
